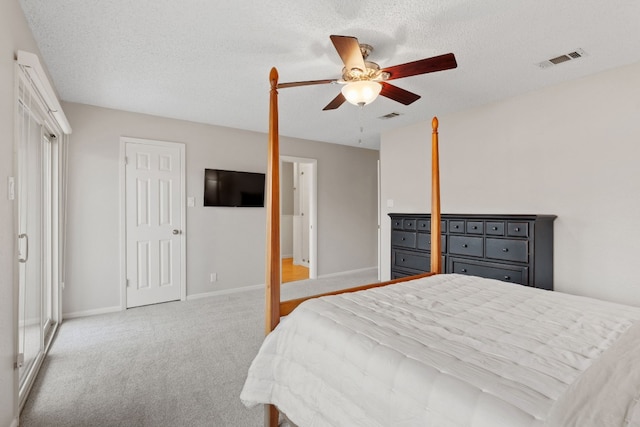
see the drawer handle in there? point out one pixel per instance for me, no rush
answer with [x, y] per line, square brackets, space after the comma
[464, 245]
[505, 249]
[517, 229]
[475, 227]
[455, 226]
[403, 239]
[403, 259]
[464, 270]
[494, 228]
[507, 277]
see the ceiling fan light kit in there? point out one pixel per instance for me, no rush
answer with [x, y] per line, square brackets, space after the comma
[364, 80]
[361, 92]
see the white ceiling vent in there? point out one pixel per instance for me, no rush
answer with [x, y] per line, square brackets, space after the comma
[578, 53]
[389, 116]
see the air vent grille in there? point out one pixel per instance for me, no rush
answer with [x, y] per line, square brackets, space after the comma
[578, 53]
[389, 116]
[560, 59]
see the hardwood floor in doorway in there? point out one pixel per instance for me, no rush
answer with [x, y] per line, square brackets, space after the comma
[291, 272]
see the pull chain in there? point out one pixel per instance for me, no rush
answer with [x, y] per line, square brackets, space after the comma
[361, 122]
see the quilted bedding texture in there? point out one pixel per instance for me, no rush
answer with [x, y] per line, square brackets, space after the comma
[452, 350]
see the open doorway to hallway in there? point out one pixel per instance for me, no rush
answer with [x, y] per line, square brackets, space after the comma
[298, 218]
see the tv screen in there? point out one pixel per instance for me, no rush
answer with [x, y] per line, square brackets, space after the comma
[232, 188]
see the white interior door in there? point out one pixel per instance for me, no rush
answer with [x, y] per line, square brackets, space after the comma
[154, 222]
[305, 210]
[297, 223]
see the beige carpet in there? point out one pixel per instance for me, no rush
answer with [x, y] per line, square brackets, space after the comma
[172, 364]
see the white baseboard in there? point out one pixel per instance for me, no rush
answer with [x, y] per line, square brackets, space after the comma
[341, 273]
[95, 312]
[261, 285]
[225, 292]
[287, 256]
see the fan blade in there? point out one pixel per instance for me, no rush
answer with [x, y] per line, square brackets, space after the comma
[307, 83]
[422, 66]
[398, 94]
[349, 50]
[337, 101]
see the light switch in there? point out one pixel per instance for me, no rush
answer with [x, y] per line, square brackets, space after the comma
[191, 201]
[11, 188]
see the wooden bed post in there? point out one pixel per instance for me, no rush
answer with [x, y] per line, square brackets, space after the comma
[273, 265]
[436, 252]
[274, 308]
[273, 262]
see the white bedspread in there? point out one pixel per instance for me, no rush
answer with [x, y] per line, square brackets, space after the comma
[452, 350]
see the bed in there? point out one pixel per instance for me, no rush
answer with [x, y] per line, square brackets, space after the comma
[441, 350]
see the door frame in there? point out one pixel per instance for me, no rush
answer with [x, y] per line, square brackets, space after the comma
[379, 195]
[50, 139]
[313, 208]
[124, 140]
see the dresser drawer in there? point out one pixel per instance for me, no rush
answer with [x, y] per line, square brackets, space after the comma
[465, 245]
[425, 225]
[505, 273]
[424, 242]
[396, 224]
[400, 274]
[507, 249]
[456, 226]
[409, 224]
[475, 227]
[495, 228]
[412, 261]
[405, 239]
[518, 229]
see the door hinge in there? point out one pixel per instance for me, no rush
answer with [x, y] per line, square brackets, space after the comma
[19, 361]
[126, 160]
[128, 283]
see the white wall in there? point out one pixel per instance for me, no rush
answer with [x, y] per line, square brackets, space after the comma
[14, 35]
[572, 150]
[227, 241]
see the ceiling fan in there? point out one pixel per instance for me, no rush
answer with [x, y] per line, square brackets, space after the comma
[364, 80]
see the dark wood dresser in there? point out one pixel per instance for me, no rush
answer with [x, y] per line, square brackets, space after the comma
[511, 248]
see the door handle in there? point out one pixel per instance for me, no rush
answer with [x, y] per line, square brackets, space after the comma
[175, 232]
[26, 252]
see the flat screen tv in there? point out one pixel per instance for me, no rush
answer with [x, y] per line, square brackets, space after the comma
[232, 188]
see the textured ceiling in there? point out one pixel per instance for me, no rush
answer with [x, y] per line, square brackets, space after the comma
[209, 61]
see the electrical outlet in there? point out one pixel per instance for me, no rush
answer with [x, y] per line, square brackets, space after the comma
[213, 277]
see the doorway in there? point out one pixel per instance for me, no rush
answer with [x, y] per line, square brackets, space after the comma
[298, 187]
[153, 212]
